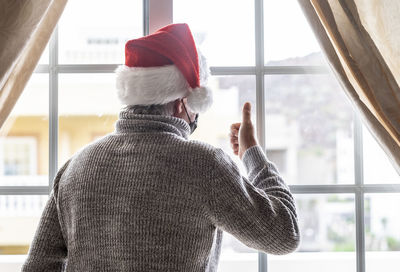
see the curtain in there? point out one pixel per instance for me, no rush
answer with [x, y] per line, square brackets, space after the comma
[361, 41]
[25, 29]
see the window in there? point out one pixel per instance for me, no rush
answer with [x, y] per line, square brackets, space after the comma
[93, 117]
[310, 116]
[279, 157]
[261, 51]
[382, 238]
[18, 156]
[24, 156]
[19, 218]
[100, 37]
[327, 224]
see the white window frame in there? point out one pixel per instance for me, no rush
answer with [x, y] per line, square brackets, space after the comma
[155, 15]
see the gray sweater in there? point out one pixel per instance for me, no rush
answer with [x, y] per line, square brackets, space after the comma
[146, 198]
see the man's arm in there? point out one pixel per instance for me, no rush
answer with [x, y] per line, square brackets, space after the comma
[259, 211]
[48, 250]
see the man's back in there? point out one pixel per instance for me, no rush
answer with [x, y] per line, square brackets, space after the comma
[139, 200]
[145, 198]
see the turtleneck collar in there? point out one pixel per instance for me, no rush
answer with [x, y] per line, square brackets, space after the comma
[129, 122]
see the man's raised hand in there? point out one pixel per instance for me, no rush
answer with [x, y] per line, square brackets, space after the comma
[242, 135]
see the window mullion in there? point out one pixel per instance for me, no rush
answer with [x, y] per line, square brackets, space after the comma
[296, 70]
[159, 14]
[110, 68]
[260, 101]
[24, 190]
[53, 108]
[145, 17]
[232, 70]
[359, 198]
[259, 44]
[42, 68]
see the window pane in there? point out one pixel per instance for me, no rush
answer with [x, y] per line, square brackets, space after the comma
[288, 38]
[95, 31]
[230, 93]
[19, 217]
[309, 129]
[88, 109]
[327, 225]
[24, 137]
[382, 236]
[377, 166]
[223, 29]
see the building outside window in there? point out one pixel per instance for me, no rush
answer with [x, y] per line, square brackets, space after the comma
[18, 156]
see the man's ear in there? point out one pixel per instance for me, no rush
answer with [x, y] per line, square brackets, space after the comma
[178, 107]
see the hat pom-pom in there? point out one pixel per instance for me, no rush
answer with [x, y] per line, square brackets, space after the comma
[200, 99]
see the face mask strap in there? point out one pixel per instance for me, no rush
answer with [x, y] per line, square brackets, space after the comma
[192, 125]
[186, 111]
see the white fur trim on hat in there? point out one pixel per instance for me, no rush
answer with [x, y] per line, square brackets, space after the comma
[200, 99]
[204, 70]
[150, 85]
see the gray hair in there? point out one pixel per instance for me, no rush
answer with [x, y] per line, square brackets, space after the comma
[156, 109]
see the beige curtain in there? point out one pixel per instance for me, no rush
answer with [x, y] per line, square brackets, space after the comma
[361, 40]
[25, 29]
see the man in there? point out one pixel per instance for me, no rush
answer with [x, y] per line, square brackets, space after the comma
[145, 197]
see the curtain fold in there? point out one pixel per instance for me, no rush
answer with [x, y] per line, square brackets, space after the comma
[25, 29]
[361, 40]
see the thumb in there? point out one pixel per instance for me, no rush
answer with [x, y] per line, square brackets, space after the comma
[247, 113]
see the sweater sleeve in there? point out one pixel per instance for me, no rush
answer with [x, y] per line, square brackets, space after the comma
[48, 251]
[259, 210]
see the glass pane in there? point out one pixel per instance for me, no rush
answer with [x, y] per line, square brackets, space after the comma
[327, 225]
[223, 29]
[19, 218]
[382, 236]
[377, 166]
[95, 31]
[288, 38]
[24, 137]
[88, 109]
[309, 129]
[230, 93]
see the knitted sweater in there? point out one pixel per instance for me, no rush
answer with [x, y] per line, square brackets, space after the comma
[146, 198]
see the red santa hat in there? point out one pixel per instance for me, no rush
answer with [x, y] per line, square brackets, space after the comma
[163, 67]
